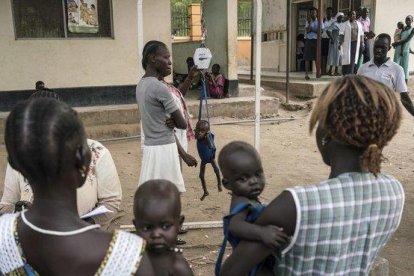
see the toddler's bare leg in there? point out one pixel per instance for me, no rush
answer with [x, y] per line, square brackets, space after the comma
[203, 180]
[217, 172]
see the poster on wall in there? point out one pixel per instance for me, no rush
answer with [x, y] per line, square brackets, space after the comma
[83, 16]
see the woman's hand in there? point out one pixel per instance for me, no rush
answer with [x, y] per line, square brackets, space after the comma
[370, 35]
[170, 123]
[193, 72]
[273, 236]
[207, 76]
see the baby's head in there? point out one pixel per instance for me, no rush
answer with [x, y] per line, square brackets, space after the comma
[157, 214]
[242, 169]
[400, 25]
[202, 129]
[215, 69]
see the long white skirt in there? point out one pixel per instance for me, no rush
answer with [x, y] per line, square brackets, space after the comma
[182, 138]
[161, 162]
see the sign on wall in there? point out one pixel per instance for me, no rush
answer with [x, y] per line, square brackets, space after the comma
[82, 16]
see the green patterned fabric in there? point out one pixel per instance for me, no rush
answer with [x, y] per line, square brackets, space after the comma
[342, 224]
[402, 52]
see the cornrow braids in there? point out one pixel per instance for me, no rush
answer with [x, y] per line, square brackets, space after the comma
[45, 93]
[40, 133]
[359, 112]
[150, 48]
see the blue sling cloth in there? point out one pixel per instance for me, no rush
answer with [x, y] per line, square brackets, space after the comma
[254, 212]
[206, 151]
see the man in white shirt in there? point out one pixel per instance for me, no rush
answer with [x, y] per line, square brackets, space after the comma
[381, 68]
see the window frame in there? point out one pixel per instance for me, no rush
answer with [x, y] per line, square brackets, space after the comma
[65, 26]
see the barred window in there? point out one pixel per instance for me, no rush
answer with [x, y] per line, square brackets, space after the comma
[179, 19]
[53, 19]
[345, 5]
[244, 18]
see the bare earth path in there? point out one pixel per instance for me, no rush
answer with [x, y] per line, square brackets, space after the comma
[290, 158]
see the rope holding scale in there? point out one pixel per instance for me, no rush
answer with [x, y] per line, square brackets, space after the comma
[203, 97]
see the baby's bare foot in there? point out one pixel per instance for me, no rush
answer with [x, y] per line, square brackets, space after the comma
[204, 196]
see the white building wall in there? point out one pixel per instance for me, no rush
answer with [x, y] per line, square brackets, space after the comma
[79, 62]
[272, 11]
[274, 20]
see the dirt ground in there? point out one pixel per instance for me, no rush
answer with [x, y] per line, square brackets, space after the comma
[290, 158]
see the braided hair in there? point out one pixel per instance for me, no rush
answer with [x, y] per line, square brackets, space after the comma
[150, 48]
[40, 134]
[359, 112]
[45, 93]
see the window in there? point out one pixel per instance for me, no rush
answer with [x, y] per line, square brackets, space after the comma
[346, 5]
[49, 19]
[244, 18]
[179, 19]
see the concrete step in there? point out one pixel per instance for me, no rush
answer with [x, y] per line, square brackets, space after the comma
[123, 120]
[298, 87]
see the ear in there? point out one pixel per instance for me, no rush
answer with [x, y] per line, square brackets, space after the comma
[151, 58]
[83, 157]
[182, 218]
[80, 157]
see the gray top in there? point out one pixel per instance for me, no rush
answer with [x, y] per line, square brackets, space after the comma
[389, 73]
[155, 104]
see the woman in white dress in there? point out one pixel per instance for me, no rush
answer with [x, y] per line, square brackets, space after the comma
[158, 110]
[334, 58]
[351, 38]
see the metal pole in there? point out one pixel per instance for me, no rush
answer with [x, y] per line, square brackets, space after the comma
[258, 50]
[287, 50]
[318, 41]
[251, 42]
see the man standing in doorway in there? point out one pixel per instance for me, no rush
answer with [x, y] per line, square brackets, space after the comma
[365, 55]
[327, 22]
[311, 26]
[381, 68]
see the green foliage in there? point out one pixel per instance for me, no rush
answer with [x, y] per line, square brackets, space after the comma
[177, 3]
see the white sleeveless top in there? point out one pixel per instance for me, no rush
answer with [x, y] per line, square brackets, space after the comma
[122, 257]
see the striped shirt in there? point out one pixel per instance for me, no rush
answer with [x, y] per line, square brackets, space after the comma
[342, 224]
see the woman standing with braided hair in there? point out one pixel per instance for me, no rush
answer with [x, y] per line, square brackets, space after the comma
[46, 143]
[338, 226]
[158, 111]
